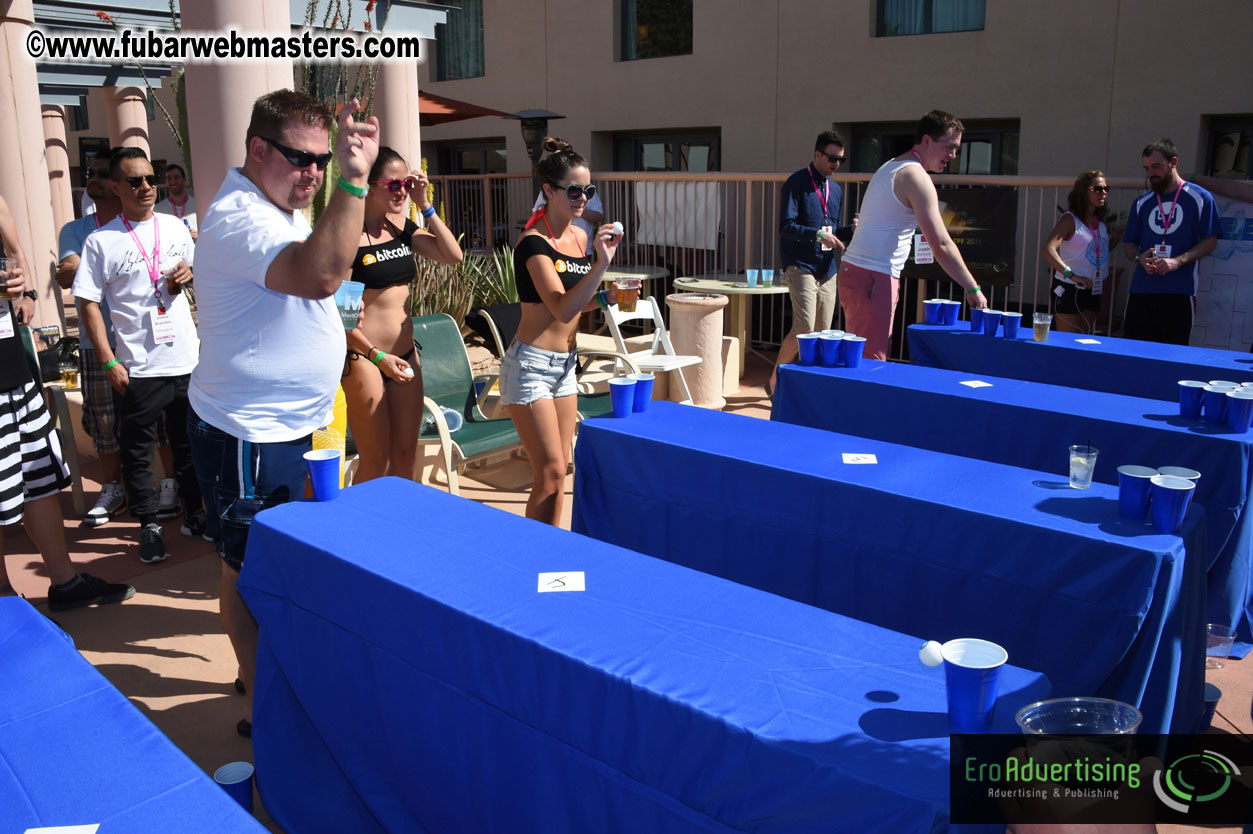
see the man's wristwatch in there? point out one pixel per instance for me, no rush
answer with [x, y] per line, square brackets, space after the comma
[33, 295]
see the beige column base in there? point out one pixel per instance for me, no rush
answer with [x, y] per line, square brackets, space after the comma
[696, 330]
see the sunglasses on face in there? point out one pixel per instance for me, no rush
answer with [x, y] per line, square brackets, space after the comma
[834, 160]
[574, 192]
[300, 159]
[137, 182]
[101, 173]
[1103, 189]
[396, 186]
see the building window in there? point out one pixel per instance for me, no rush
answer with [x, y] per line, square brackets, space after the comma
[680, 151]
[1228, 151]
[459, 42]
[77, 117]
[928, 17]
[150, 107]
[656, 28]
[987, 147]
[474, 157]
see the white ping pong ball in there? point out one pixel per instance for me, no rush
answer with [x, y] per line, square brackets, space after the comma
[617, 228]
[930, 653]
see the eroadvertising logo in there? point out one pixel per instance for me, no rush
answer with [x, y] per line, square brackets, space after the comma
[1102, 779]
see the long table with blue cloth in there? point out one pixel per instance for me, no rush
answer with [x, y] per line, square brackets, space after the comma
[1096, 363]
[918, 541]
[75, 752]
[418, 672]
[1031, 424]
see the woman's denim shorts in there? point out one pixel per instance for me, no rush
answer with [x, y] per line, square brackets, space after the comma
[529, 373]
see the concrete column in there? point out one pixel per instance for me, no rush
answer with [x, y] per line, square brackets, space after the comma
[396, 105]
[128, 117]
[23, 172]
[57, 150]
[696, 330]
[220, 96]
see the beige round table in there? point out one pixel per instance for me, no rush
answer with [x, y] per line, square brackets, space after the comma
[736, 289]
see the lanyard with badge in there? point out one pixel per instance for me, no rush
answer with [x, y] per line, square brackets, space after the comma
[162, 325]
[823, 196]
[1162, 250]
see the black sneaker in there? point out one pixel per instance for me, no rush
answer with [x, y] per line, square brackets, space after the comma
[194, 524]
[151, 543]
[89, 590]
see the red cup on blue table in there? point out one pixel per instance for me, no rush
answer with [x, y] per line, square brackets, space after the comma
[1134, 489]
[643, 394]
[851, 350]
[991, 321]
[807, 344]
[972, 671]
[323, 473]
[1171, 497]
[622, 396]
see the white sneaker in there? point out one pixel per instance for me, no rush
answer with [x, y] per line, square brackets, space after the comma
[112, 500]
[167, 505]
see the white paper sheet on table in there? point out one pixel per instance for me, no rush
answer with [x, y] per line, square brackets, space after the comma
[977, 383]
[569, 580]
[1087, 341]
[850, 457]
[65, 829]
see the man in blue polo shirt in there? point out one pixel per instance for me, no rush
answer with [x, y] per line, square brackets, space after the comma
[809, 245]
[1171, 227]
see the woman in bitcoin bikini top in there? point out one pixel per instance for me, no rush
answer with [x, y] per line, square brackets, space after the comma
[556, 282]
[382, 376]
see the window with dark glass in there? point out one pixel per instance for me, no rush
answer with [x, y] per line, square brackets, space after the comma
[678, 151]
[656, 28]
[928, 17]
[459, 41]
[1228, 151]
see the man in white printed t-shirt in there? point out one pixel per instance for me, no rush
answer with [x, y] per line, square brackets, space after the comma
[273, 343]
[139, 263]
[181, 203]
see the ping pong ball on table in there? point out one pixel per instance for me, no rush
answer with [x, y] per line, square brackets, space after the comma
[930, 653]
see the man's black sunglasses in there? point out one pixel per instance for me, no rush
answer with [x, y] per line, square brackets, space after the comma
[301, 159]
[136, 182]
[834, 160]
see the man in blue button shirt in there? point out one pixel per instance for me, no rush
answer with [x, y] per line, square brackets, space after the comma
[809, 244]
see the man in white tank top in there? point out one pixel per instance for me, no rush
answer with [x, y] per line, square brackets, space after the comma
[900, 198]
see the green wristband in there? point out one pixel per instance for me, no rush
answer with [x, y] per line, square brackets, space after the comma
[355, 190]
[109, 364]
[974, 290]
[378, 357]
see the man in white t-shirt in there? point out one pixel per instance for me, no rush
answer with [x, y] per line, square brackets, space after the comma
[273, 344]
[139, 263]
[181, 203]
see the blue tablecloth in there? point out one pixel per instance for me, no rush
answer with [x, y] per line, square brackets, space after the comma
[75, 751]
[921, 542]
[412, 679]
[1116, 366]
[1030, 424]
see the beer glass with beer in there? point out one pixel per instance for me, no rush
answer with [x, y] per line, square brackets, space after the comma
[69, 375]
[628, 294]
[7, 265]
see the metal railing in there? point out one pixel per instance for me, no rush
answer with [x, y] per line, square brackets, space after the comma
[723, 222]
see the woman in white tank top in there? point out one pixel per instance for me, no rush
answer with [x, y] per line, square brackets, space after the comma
[1078, 251]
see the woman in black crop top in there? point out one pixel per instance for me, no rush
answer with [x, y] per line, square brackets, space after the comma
[382, 377]
[556, 282]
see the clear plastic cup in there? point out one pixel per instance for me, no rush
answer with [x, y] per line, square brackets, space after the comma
[1082, 465]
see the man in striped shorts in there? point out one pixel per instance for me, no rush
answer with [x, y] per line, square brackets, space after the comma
[32, 471]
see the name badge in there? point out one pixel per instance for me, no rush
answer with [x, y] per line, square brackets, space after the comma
[922, 250]
[162, 328]
[1161, 250]
[6, 322]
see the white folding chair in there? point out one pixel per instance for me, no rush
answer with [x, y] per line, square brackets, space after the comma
[660, 356]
